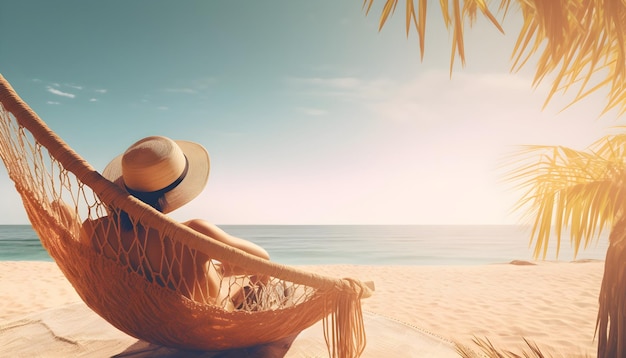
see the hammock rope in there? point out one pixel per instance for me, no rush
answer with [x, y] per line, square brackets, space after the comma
[188, 291]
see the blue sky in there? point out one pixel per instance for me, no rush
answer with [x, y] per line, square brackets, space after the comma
[310, 115]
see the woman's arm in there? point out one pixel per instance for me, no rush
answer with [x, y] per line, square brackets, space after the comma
[211, 230]
[218, 234]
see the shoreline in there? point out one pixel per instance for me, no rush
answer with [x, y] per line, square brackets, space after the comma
[552, 304]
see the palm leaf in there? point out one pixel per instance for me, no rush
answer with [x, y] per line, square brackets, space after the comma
[489, 350]
[569, 190]
[580, 42]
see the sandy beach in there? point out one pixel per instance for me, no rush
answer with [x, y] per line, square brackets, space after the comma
[551, 304]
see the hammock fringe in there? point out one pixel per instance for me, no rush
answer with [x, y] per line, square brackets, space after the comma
[344, 331]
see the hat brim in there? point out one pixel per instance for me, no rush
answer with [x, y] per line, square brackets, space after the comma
[190, 187]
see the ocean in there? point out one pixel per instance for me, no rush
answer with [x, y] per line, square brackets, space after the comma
[360, 244]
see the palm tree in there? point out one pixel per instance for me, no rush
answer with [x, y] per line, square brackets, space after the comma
[582, 44]
[585, 192]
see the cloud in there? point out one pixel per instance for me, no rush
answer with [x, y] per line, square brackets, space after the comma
[53, 102]
[93, 100]
[75, 86]
[181, 90]
[312, 111]
[60, 93]
[333, 82]
[193, 88]
[346, 88]
[419, 98]
[103, 91]
[162, 108]
[433, 96]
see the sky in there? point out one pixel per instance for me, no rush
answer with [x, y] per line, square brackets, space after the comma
[311, 115]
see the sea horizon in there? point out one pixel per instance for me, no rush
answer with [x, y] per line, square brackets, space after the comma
[369, 244]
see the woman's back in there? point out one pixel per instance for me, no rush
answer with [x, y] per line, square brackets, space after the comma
[156, 258]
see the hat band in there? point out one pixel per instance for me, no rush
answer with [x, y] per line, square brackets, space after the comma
[160, 192]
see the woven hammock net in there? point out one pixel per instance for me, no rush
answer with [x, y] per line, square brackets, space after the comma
[162, 293]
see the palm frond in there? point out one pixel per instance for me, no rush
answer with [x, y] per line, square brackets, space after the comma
[568, 190]
[454, 16]
[583, 43]
[488, 349]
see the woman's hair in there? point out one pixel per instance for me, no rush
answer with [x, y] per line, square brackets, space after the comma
[148, 198]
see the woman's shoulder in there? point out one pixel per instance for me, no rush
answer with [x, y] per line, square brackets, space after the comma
[204, 227]
[195, 222]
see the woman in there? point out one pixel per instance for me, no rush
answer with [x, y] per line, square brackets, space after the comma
[165, 174]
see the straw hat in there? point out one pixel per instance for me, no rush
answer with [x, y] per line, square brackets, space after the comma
[176, 171]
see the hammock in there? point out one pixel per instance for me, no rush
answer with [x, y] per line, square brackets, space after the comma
[68, 203]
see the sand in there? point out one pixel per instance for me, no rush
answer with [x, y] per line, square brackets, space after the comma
[551, 304]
